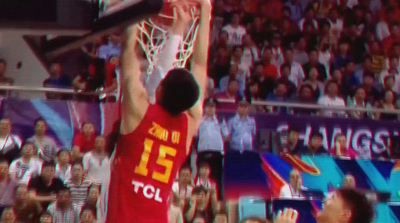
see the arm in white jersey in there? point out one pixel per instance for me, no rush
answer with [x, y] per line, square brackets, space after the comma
[165, 59]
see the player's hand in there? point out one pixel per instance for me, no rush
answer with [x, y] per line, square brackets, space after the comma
[288, 215]
[182, 12]
[203, 3]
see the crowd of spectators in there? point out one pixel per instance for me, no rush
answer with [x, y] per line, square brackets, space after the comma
[43, 182]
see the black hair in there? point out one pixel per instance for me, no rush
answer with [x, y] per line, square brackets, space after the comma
[361, 208]
[316, 134]
[285, 65]
[61, 151]
[48, 163]
[64, 188]
[76, 163]
[88, 208]
[293, 129]
[3, 61]
[28, 142]
[39, 120]
[197, 190]
[180, 91]
[186, 167]
[4, 160]
[329, 83]
[204, 164]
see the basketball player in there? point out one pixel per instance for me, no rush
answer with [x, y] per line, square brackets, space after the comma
[155, 139]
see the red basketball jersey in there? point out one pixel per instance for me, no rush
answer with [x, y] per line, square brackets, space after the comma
[147, 162]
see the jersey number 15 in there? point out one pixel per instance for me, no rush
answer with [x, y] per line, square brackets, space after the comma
[141, 169]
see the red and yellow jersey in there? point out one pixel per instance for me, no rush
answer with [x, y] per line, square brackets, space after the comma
[147, 162]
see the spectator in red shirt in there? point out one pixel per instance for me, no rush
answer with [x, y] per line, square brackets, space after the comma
[392, 39]
[83, 141]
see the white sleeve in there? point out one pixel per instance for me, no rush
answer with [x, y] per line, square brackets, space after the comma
[164, 62]
[13, 167]
[85, 162]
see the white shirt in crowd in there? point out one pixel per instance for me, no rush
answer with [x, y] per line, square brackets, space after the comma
[325, 58]
[382, 30]
[98, 170]
[64, 176]
[9, 142]
[24, 171]
[288, 192]
[182, 191]
[331, 102]
[296, 73]
[250, 55]
[235, 34]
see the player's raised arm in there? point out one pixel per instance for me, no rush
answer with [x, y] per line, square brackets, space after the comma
[134, 102]
[200, 57]
[165, 59]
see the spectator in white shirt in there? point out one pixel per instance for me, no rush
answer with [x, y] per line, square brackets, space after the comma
[235, 30]
[97, 163]
[24, 168]
[250, 51]
[331, 99]
[46, 146]
[277, 52]
[10, 144]
[308, 16]
[293, 189]
[182, 189]
[63, 168]
[296, 70]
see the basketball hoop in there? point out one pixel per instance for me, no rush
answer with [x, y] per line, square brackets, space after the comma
[153, 35]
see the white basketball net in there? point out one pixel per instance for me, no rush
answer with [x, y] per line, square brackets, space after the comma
[153, 35]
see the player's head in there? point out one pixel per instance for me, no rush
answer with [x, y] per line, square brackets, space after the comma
[346, 206]
[178, 91]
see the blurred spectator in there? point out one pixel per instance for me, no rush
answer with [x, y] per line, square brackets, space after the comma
[325, 55]
[25, 209]
[335, 21]
[296, 10]
[83, 141]
[280, 94]
[221, 217]
[175, 214]
[112, 48]
[270, 68]
[204, 177]
[341, 149]
[63, 168]
[10, 143]
[293, 145]
[7, 185]
[8, 215]
[63, 210]
[309, 17]
[7, 81]
[43, 188]
[276, 48]
[232, 93]
[250, 52]
[365, 69]
[242, 129]
[88, 216]
[349, 181]
[257, 30]
[296, 71]
[323, 7]
[349, 80]
[315, 146]
[252, 93]
[92, 198]
[358, 100]
[293, 189]
[212, 134]
[265, 82]
[46, 218]
[388, 85]
[313, 63]
[388, 103]
[57, 79]
[234, 73]
[378, 57]
[392, 39]
[300, 54]
[285, 79]
[370, 87]
[198, 206]
[305, 96]
[382, 29]
[24, 168]
[78, 185]
[272, 9]
[235, 30]
[343, 56]
[96, 163]
[182, 188]
[46, 146]
[394, 71]
[315, 83]
[237, 58]
[331, 99]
